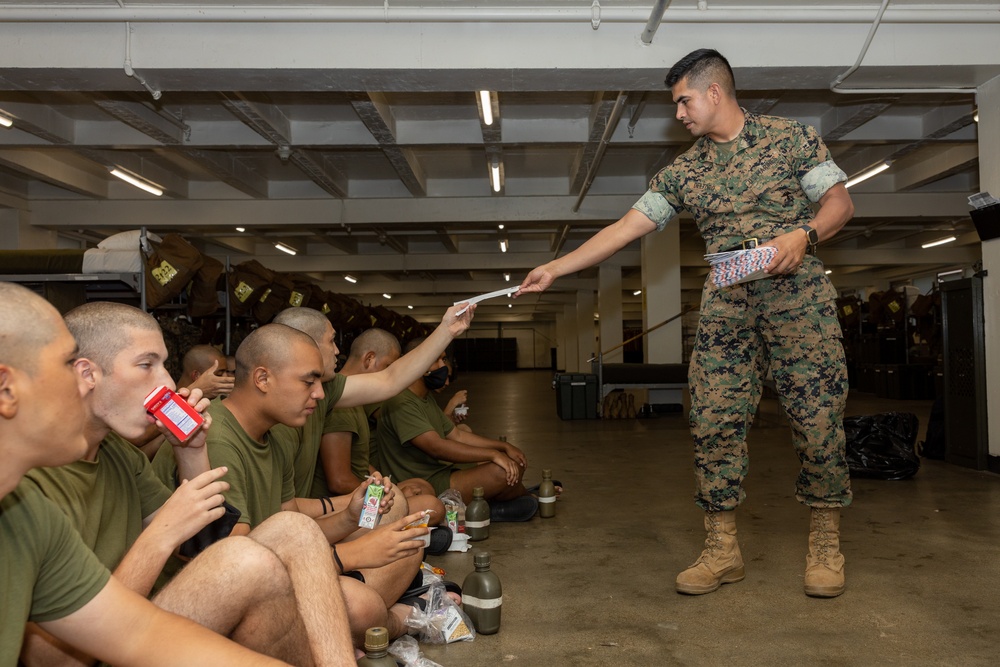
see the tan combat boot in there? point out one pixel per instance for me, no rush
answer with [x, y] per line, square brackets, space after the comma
[720, 562]
[824, 563]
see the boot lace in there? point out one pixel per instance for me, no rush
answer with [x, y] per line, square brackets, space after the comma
[823, 541]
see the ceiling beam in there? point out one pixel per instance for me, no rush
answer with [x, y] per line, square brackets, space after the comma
[447, 240]
[228, 170]
[951, 161]
[376, 113]
[600, 114]
[41, 120]
[840, 121]
[140, 117]
[44, 166]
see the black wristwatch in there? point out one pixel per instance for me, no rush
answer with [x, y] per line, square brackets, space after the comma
[810, 234]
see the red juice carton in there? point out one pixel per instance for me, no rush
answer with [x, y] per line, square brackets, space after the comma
[174, 412]
[369, 511]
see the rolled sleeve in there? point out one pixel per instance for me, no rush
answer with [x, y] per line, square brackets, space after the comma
[655, 207]
[821, 178]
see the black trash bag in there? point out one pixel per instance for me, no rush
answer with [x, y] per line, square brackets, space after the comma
[882, 446]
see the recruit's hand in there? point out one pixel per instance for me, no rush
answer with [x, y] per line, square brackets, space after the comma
[383, 545]
[457, 324]
[509, 466]
[516, 454]
[791, 249]
[539, 280]
[213, 385]
[200, 404]
[358, 497]
[195, 504]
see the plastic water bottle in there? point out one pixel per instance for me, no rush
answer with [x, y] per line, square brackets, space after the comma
[482, 596]
[546, 496]
[477, 516]
[377, 649]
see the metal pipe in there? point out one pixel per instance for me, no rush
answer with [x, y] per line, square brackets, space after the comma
[528, 14]
[655, 18]
[609, 129]
[636, 113]
[882, 91]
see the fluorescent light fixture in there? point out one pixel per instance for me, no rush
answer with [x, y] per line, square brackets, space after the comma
[137, 181]
[949, 273]
[499, 226]
[829, 271]
[241, 229]
[495, 174]
[868, 173]
[410, 307]
[350, 279]
[938, 242]
[386, 296]
[484, 97]
[285, 248]
[503, 245]
[975, 116]
[506, 277]
[510, 305]
[637, 292]
[5, 121]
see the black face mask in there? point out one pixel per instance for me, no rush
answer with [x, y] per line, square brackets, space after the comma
[436, 379]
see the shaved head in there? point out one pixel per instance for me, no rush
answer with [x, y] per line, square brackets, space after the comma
[270, 346]
[413, 344]
[379, 341]
[104, 328]
[306, 320]
[27, 324]
[200, 358]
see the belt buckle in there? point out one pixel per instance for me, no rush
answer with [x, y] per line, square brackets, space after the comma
[749, 244]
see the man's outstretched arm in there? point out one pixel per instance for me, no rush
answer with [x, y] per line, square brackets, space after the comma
[595, 250]
[368, 388]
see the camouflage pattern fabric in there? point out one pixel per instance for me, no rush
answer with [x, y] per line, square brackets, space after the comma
[788, 323]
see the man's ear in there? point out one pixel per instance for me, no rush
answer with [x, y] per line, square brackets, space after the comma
[89, 371]
[370, 359]
[260, 379]
[8, 392]
[715, 93]
[195, 375]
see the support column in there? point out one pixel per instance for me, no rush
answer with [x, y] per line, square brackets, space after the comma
[16, 232]
[609, 305]
[569, 342]
[988, 100]
[586, 332]
[661, 295]
[560, 341]
[661, 300]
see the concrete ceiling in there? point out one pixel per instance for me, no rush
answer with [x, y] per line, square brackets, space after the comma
[352, 130]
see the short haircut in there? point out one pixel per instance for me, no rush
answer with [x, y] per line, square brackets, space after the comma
[104, 328]
[269, 346]
[413, 344]
[379, 341]
[702, 68]
[27, 324]
[200, 358]
[307, 320]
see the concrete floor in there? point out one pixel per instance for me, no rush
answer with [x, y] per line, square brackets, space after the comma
[594, 585]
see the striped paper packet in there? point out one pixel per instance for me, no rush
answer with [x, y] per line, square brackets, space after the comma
[743, 266]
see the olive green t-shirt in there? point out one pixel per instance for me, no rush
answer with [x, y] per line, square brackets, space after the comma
[303, 443]
[46, 571]
[107, 499]
[404, 417]
[346, 420]
[259, 476]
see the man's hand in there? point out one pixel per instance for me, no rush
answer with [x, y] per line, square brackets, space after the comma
[791, 249]
[213, 385]
[515, 454]
[358, 497]
[383, 545]
[195, 504]
[457, 324]
[460, 397]
[509, 465]
[197, 438]
[539, 280]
